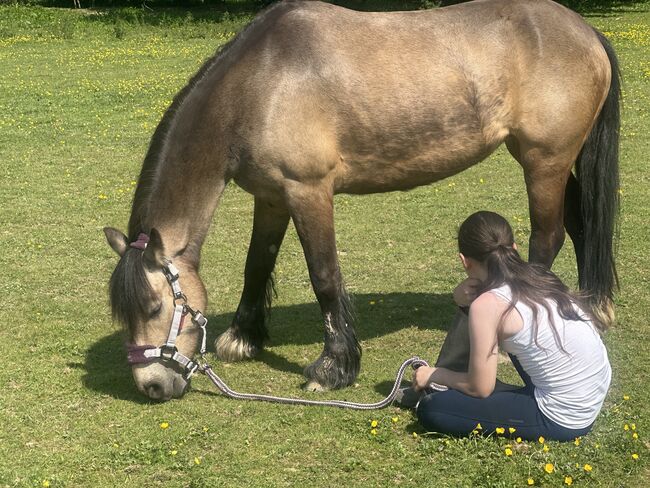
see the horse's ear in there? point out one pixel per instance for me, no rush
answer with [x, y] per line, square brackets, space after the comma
[116, 240]
[154, 254]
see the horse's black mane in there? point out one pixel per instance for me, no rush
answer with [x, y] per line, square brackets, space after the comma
[129, 289]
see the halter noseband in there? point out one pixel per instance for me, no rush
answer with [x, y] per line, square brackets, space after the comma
[168, 351]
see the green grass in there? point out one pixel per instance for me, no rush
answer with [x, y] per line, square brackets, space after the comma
[80, 94]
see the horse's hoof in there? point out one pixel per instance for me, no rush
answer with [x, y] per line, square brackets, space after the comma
[314, 386]
[231, 347]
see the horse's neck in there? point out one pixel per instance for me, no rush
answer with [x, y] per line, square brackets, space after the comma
[178, 200]
[184, 173]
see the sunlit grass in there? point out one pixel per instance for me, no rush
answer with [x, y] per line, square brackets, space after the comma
[80, 95]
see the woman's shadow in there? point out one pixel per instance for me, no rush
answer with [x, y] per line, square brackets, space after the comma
[376, 315]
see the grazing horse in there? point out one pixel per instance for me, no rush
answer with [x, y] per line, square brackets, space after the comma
[311, 99]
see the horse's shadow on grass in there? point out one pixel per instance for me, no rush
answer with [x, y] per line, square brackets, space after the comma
[376, 315]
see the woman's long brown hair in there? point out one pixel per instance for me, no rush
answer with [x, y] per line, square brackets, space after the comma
[487, 237]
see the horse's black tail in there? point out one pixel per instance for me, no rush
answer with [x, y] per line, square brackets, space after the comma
[597, 174]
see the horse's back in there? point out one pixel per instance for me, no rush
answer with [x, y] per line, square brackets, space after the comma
[325, 91]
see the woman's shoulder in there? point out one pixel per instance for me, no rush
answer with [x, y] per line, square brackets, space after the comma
[489, 302]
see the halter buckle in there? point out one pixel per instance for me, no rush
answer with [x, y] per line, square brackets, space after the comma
[167, 352]
[191, 369]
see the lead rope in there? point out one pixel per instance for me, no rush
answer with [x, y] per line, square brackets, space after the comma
[415, 362]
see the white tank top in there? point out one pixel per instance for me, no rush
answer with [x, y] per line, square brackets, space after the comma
[570, 387]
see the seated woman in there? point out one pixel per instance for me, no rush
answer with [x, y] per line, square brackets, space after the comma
[551, 335]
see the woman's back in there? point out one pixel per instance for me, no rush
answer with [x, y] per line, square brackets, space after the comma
[571, 379]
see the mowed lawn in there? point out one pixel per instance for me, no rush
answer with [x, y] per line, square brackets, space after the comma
[80, 95]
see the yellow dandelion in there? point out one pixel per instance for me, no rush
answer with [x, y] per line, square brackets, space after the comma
[415, 435]
[626, 397]
[508, 451]
[374, 424]
[635, 435]
[164, 425]
[205, 429]
[568, 480]
[530, 481]
[500, 430]
[512, 430]
[587, 468]
[549, 468]
[541, 440]
[633, 426]
[626, 427]
[101, 196]
[174, 452]
[482, 180]
[395, 419]
[478, 426]
[518, 439]
[635, 456]
[45, 483]
[577, 441]
[197, 461]
[373, 431]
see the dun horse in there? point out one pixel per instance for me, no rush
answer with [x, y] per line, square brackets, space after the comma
[312, 99]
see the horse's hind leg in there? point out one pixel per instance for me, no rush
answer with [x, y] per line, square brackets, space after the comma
[573, 222]
[313, 215]
[546, 174]
[248, 331]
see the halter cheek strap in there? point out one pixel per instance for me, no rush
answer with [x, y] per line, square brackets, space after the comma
[142, 354]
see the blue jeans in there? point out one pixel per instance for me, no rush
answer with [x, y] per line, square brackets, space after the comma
[454, 413]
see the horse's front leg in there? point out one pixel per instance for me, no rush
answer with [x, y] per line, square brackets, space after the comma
[248, 331]
[313, 215]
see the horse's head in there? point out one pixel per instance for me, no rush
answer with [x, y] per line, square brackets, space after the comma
[152, 297]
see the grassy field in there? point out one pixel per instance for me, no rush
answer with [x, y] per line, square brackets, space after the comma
[80, 94]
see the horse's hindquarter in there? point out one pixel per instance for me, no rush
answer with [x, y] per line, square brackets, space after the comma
[383, 101]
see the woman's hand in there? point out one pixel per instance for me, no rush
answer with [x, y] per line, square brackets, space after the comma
[466, 292]
[421, 377]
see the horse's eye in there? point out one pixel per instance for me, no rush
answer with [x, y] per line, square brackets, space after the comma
[156, 311]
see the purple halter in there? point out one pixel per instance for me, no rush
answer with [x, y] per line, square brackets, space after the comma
[140, 354]
[141, 242]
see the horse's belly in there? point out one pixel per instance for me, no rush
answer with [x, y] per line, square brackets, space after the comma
[405, 160]
[380, 175]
